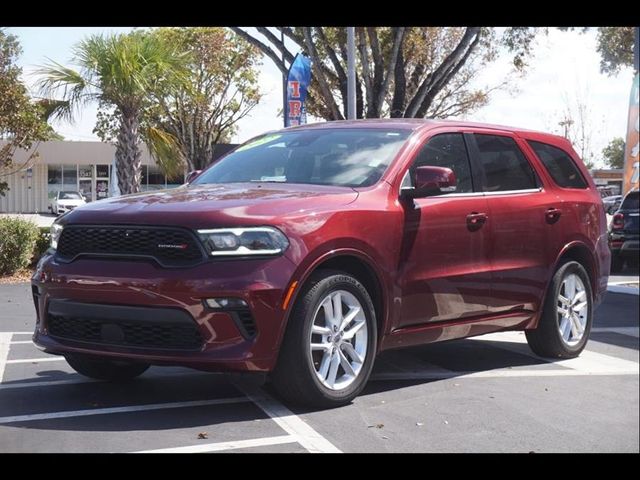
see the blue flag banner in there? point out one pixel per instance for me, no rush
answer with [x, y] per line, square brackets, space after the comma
[298, 81]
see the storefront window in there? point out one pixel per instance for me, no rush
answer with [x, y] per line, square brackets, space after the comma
[70, 177]
[54, 180]
[102, 171]
[85, 171]
[175, 181]
[156, 179]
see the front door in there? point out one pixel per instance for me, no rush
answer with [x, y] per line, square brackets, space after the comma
[444, 270]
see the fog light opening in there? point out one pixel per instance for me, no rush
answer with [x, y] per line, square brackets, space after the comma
[226, 303]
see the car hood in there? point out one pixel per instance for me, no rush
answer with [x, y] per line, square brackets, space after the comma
[206, 206]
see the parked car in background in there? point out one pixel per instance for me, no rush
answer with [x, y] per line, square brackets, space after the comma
[307, 251]
[624, 232]
[66, 201]
[612, 203]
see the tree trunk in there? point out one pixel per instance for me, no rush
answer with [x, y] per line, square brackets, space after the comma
[128, 154]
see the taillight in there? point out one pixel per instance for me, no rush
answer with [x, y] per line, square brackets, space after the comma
[618, 222]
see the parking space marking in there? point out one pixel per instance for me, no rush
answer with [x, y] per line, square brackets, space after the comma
[48, 383]
[629, 331]
[19, 333]
[36, 360]
[234, 445]
[304, 434]
[22, 342]
[5, 339]
[495, 374]
[111, 410]
[588, 362]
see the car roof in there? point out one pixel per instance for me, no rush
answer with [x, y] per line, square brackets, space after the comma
[423, 124]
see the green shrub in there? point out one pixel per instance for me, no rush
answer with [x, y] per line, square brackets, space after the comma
[42, 244]
[17, 242]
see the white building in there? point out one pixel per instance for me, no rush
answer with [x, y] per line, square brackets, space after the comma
[73, 166]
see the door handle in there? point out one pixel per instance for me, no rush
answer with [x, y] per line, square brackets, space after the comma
[552, 215]
[476, 220]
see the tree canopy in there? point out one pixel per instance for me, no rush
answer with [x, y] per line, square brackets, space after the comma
[401, 71]
[22, 121]
[613, 153]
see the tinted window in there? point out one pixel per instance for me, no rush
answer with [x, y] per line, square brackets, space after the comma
[631, 201]
[559, 165]
[355, 157]
[448, 150]
[505, 166]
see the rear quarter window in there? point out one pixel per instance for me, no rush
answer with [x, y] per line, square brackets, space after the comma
[559, 164]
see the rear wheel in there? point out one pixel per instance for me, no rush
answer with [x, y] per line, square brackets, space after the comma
[563, 329]
[329, 346]
[102, 369]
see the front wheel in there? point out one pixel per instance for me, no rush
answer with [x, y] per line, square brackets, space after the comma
[102, 369]
[329, 346]
[565, 323]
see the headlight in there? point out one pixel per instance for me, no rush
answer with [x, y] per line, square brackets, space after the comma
[56, 231]
[243, 241]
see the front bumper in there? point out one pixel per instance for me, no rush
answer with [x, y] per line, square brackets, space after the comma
[99, 287]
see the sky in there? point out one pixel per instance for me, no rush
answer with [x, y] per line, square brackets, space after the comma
[563, 72]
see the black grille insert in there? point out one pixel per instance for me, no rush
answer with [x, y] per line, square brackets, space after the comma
[126, 334]
[141, 327]
[168, 246]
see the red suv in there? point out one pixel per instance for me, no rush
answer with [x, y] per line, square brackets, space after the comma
[307, 251]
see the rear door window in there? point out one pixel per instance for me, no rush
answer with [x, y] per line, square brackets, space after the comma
[505, 166]
[559, 165]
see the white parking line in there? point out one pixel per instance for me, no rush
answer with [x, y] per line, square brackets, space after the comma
[110, 410]
[48, 383]
[22, 342]
[499, 373]
[19, 333]
[588, 362]
[311, 440]
[5, 339]
[36, 360]
[233, 445]
[629, 331]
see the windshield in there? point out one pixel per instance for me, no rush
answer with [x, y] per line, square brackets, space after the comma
[70, 196]
[345, 157]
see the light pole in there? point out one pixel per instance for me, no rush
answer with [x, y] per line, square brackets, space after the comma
[351, 73]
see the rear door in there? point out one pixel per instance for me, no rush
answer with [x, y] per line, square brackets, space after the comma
[524, 219]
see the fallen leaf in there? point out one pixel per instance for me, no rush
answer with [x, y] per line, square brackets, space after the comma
[203, 435]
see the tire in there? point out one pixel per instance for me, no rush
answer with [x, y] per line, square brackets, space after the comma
[547, 340]
[617, 263]
[296, 377]
[101, 369]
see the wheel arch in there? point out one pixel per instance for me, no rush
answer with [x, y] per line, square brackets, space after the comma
[353, 262]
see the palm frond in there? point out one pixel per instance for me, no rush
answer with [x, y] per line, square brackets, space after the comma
[165, 150]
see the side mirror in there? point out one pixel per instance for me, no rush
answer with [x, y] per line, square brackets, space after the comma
[429, 181]
[191, 176]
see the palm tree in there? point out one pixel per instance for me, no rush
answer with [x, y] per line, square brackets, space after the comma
[118, 70]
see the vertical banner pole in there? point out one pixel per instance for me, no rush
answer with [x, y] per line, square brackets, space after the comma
[351, 73]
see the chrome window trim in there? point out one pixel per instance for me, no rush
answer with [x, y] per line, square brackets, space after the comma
[513, 192]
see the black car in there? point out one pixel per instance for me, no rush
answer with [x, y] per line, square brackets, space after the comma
[624, 234]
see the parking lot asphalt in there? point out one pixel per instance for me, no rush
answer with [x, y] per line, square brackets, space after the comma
[485, 394]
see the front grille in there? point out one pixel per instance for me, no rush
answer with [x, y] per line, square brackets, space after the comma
[170, 336]
[168, 246]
